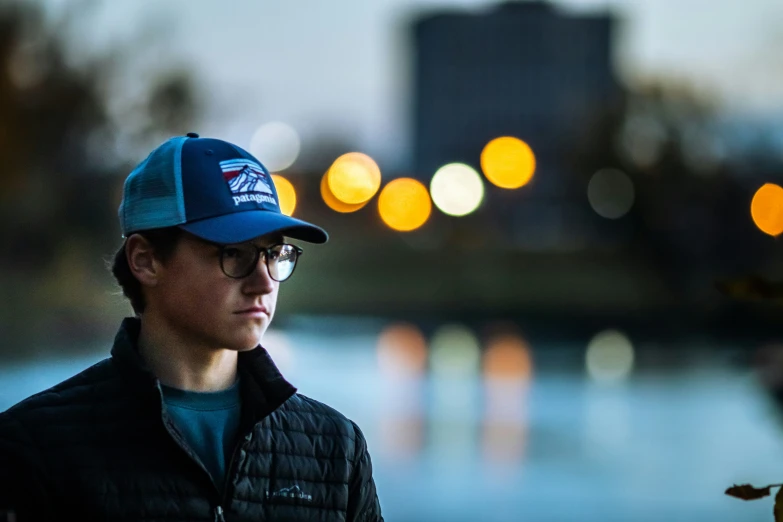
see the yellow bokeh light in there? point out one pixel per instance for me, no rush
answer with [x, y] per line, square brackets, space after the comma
[354, 178]
[766, 209]
[404, 204]
[508, 162]
[457, 189]
[285, 193]
[334, 203]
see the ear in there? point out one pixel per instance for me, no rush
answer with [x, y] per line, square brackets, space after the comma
[141, 260]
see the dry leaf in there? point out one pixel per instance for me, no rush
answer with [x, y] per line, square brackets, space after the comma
[748, 492]
[778, 509]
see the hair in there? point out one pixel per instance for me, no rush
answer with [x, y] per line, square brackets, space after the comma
[164, 243]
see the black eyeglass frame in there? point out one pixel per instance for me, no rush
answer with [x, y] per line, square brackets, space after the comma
[252, 266]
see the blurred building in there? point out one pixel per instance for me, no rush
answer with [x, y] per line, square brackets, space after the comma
[522, 69]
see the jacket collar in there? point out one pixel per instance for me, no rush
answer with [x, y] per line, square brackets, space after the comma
[262, 386]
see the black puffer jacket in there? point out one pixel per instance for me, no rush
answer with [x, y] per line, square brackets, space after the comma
[100, 446]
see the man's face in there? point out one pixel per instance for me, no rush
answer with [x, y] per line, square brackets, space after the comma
[199, 302]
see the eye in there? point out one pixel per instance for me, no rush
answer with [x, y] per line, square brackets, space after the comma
[274, 253]
[232, 253]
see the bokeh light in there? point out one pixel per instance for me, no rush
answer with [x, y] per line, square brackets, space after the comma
[507, 357]
[276, 145]
[766, 209]
[404, 204]
[286, 194]
[504, 440]
[609, 357]
[27, 65]
[508, 162]
[454, 352]
[610, 193]
[354, 178]
[334, 203]
[457, 189]
[455, 392]
[641, 140]
[402, 350]
[508, 369]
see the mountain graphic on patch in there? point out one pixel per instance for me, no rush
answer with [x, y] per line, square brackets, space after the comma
[244, 176]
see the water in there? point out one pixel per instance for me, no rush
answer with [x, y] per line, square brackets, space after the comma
[661, 446]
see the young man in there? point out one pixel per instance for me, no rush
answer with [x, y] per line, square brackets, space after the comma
[189, 419]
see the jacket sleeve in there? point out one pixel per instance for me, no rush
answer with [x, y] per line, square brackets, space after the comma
[23, 495]
[363, 504]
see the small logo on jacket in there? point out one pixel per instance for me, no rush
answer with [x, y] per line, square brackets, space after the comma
[247, 181]
[292, 492]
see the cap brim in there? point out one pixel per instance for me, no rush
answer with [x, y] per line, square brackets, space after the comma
[244, 226]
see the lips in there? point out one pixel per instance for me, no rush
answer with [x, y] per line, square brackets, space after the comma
[253, 310]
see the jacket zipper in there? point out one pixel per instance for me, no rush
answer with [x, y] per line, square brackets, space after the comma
[229, 475]
[219, 516]
[183, 445]
[230, 469]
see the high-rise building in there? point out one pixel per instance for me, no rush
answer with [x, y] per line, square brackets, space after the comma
[522, 69]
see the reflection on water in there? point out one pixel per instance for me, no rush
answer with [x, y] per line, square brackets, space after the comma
[511, 435]
[504, 422]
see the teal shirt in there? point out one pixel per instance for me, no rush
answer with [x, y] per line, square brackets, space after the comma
[209, 422]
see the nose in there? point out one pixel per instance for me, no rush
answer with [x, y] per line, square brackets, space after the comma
[259, 281]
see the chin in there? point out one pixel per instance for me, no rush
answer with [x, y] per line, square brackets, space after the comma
[241, 343]
[240, 347]
[247, 348]
[246, 338]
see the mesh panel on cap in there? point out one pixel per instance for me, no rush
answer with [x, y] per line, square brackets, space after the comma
[152, 195]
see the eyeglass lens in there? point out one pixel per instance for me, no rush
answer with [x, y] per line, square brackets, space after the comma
[239, 261]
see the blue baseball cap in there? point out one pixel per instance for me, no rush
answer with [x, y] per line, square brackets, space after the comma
[211, 188]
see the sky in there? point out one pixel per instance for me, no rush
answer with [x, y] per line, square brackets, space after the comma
[340, 67]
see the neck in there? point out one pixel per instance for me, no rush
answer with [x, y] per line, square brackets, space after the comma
[184, 363]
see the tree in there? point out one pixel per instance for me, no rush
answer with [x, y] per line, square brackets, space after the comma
[61, 174]
[691, 211]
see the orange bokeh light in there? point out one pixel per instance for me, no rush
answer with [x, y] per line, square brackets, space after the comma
[354, 178]
[404, 204]
[508, 357]
[402, 350]
[766, 209]
[334, 203]
[508, 162]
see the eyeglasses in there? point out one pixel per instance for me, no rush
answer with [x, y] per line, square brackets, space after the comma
[239, 261]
